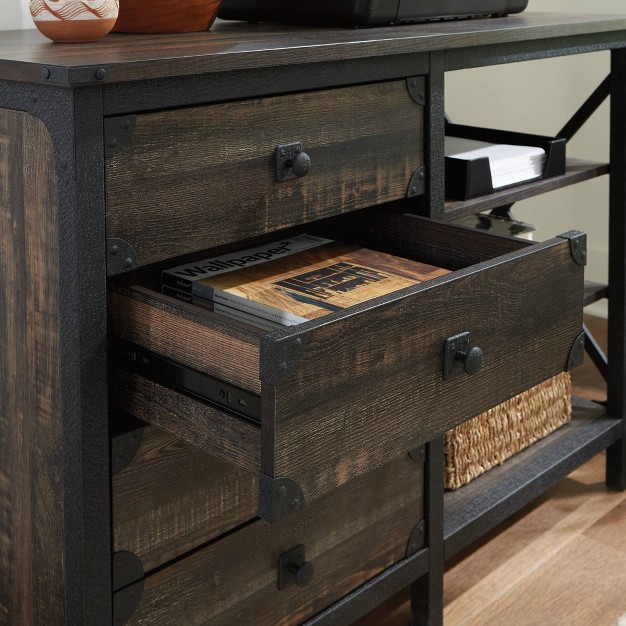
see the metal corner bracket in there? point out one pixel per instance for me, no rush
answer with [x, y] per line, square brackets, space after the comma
[279, 498]
[279, 358]
[416, 86]
[578, 245]
[416, 541]
[124, 448]
[417, 184]
[118, 132]
[121, 256]
[576, 353]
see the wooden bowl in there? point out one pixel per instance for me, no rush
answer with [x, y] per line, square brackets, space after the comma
[166, 16]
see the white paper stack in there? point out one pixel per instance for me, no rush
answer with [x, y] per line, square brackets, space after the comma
[509, 164]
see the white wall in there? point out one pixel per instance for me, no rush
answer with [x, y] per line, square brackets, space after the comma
[539, 97]
[14, 14]
[535, 97]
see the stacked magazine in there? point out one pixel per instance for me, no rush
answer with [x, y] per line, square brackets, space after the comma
[292, 281]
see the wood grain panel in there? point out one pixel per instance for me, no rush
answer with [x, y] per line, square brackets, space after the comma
[332, 414]
[172, 497]
[216, 166]
[31, 492]
[186, 334]
[216, 432]
[234, 581]
[237, 45]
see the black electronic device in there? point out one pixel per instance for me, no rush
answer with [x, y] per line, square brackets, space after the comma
[363, 12]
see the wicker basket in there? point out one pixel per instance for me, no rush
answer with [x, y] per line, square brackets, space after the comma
[490, 438]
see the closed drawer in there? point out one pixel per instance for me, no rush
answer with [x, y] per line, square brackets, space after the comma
[347, 392]
[179, 181]
[170, 497]
[348, 537]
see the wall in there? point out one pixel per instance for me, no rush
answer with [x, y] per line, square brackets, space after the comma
[14, 14]
[537, 97]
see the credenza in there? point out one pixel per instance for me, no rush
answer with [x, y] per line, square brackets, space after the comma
[309, 487]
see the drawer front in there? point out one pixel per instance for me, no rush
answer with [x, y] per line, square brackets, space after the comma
[347, 392]
[196, 178]
[348, 538]
[170, 497]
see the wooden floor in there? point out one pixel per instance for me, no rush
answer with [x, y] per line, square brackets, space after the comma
[560, 562]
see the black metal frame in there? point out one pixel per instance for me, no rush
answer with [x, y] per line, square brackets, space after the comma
[74, 120]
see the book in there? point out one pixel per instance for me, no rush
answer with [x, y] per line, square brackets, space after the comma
[509, 164]
[297, 279]
[220, 309]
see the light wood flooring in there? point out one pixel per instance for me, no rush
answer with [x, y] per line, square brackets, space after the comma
[561, 561]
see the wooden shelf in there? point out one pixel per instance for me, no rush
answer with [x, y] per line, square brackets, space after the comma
[488, 500]
[577, 170]
[594, 292]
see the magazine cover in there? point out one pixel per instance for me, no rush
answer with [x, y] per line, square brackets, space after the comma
[298, 279]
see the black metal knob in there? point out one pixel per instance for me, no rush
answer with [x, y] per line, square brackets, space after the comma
[472, 360]
[301, 164]
[303, 573]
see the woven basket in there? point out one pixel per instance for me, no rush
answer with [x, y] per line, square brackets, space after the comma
[490, 438]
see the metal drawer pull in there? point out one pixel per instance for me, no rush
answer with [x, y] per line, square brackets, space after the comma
[294, 568]
[459, 358]
[291, 162]
[472, 360]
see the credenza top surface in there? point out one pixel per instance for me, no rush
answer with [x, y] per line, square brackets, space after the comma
[27, 56]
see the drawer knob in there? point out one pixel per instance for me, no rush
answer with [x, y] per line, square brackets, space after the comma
[301, 165]
[291, 162]
[460, 357]
[472, 360]
[303, 573]
[294, 568]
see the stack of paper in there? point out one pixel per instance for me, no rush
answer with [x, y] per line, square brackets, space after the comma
[509, 164]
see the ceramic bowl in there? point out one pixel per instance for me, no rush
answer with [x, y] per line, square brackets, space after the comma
[166, 16]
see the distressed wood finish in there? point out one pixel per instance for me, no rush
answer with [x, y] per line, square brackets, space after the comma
[577, 170]
[237, 45]
[216, 165]
[326, 421]
[234, 580]
[186, 334]
[210, 429]
[172, 498]
[331, 414]
[32, 571]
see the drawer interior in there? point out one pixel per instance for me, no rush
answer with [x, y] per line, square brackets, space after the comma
[346, 392]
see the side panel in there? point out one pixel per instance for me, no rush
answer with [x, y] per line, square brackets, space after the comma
[31, 488]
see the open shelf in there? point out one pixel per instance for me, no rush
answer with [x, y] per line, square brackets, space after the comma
[594, 292]
[473, 509]
[577, 170]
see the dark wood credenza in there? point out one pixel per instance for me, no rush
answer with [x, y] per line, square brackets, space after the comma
[123, 500]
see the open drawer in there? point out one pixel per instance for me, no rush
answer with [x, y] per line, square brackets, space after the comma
[337, 396]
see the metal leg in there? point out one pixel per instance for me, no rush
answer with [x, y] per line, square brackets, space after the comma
[616, 400]
[427, 592]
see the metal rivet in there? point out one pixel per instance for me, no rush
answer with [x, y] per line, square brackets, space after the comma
[115, 249]
[298, 341]
[45, 73]
[295, 503]
[101, 74]
[282, 366]
[413, 190]
[421, 175]
[128, 262]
